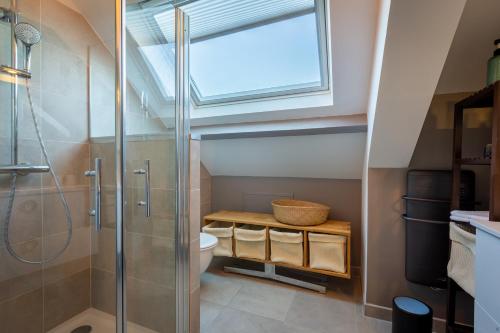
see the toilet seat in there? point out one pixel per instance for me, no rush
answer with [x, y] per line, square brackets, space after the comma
[207, 241]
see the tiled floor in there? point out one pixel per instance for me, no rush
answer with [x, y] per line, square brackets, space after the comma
[99, 321]
[233, 303]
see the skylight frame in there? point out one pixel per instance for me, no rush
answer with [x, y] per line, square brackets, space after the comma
[321, 33]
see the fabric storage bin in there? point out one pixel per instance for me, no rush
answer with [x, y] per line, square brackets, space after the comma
[462, 258]
[327, 252]
[250, 242]
[287, 246]
[224, 233]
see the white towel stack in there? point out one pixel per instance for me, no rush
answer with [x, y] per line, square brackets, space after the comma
[468, 215]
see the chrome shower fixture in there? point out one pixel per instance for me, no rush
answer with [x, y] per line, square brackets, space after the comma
[5, 14]
[29, 36]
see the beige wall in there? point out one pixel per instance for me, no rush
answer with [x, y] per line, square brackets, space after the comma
[256, 194]
[205, 191]
[194, 236]
[386, 232]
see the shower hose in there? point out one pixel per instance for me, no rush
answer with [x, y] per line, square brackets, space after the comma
[12, 195]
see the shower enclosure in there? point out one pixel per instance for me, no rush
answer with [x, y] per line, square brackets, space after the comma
[94, 156]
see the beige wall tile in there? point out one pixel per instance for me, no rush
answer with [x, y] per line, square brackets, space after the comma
[204, 174]
[194, 215]
[195, 164]
[105, 151]
[205, 192]
[25, 223]
[194, 311]
[205, 209]
[29, 152]
[194, 265]
[65, 27]
[70, 161]
[54, 214]
[64, 117]
[143, 301]
[66, 298]
[19, 284]
[108, 206]
[23, 314]
[29, 250]
[161, 154]
[151, 259]
[103, 291]
[69, 268]
[78, 248]
[162, 210]
[103, 249]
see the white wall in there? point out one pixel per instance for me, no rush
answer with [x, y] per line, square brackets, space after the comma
[465, 67]
[419, 36]
[335, 156]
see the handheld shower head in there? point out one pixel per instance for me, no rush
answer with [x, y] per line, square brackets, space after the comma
[29, 36]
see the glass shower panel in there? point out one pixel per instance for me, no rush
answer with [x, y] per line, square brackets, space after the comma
[45, 279]
[102, 107]
[21, 200]
[58, 245]
[151, 185]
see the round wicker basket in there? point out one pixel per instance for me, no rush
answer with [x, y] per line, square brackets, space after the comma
[296, 212]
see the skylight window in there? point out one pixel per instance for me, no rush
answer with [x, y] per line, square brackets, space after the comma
[272, 58]
[246, 49]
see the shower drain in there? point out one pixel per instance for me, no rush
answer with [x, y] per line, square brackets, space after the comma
[82, 329]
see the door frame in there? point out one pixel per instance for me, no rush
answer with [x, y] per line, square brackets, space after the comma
[182, 130]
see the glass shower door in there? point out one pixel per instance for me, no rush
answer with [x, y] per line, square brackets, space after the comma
[155, 141]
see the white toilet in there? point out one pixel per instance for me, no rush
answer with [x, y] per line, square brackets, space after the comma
[207, 246]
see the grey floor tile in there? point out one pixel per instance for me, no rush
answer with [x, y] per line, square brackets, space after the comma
[232, 321]
[323, 314]
[270, 301]
[208, 312]
[217, 288]
[372, 325]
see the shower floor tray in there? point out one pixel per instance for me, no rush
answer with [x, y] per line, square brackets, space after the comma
[101, 322]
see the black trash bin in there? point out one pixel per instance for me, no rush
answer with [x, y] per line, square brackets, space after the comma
[410, 315]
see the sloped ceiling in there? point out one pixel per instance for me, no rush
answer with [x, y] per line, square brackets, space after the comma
[419, 36]
[351, 40]
[336, 156]
[465, 67]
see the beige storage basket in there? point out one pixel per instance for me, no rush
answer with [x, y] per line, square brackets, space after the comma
[296, 212]
[224, 233]
[327, 252]
[287, 246]
[250, 242]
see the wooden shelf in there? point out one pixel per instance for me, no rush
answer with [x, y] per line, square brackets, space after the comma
[331, 227]
[475, 161]
[484, 98]
[489, 97]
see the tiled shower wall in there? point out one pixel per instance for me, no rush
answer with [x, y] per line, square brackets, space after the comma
[35, 298]
[195, 173]
[149, 242]
[205, 191]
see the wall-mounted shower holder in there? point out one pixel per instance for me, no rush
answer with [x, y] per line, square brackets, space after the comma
[96, 173]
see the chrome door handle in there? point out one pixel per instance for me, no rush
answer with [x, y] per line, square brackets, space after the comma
[96, 173]
[146, 203]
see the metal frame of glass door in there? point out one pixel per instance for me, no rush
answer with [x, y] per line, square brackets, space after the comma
[182, 127]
